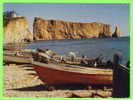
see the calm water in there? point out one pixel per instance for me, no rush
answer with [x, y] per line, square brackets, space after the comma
[89, 47]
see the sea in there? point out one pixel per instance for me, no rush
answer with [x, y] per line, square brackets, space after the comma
[91, 48]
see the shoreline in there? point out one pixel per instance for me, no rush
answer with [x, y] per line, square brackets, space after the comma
[66, 39]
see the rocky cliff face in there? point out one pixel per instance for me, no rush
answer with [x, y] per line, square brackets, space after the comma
[16, 30]
[56, 29]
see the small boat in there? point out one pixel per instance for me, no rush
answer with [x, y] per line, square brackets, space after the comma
[17, 56]
[17, 59]
[121, 78]
[63, 73]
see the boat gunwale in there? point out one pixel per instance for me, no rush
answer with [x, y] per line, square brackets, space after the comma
[20, 56]
[66, 70]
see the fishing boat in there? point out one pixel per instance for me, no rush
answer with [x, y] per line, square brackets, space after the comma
[63, 73]
[17, 59]
[17, 56]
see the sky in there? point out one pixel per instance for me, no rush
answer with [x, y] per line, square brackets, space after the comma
[113, 14]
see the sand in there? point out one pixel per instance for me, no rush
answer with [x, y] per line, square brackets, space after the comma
[21, 81]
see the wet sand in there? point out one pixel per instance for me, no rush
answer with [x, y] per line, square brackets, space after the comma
[21, 81]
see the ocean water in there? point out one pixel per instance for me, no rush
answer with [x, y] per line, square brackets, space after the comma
[91, 48]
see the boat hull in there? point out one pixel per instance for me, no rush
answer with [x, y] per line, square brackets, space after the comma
[54, 76]
[17, 59]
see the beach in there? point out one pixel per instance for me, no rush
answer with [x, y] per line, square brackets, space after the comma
[61, 50]
[21, 81]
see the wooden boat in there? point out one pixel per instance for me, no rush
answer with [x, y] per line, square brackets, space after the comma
[62, 74]
[121, 78]
[17, 59]
[17, 56]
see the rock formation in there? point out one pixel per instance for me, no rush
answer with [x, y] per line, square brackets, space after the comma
[57, 29]
[16, 30]
[117, 32]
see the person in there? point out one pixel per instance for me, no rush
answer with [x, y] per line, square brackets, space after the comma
[62, 59]
[95, 64]
[72, 55]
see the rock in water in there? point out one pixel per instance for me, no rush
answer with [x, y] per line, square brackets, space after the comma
[117, 32]
[16, 30]
[57, 29]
